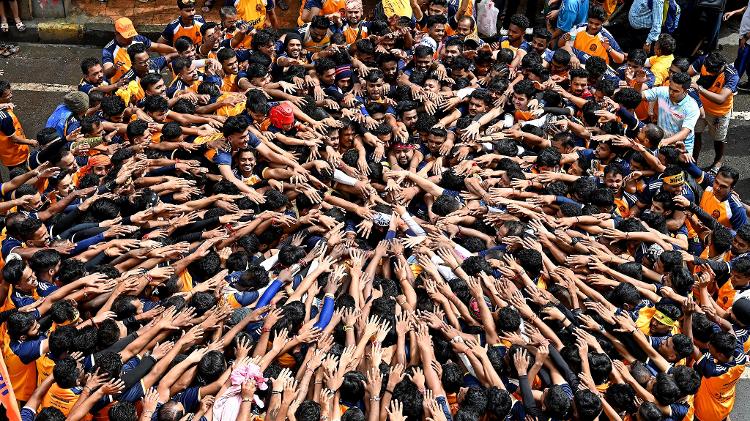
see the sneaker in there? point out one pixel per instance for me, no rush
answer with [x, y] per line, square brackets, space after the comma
[744, 86]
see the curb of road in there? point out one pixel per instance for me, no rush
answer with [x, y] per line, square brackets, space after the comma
[65, 31]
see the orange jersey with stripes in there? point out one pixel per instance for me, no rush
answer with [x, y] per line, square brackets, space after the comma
[11, 153]
[728, 294]
[118, 55]
[720, 210]
[716, 395]
[327, 7]
[62, 399]
[22, 376]
[253, 11]
[177, 29]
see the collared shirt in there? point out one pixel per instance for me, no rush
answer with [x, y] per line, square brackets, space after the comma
[674, 117]
[641, 16]
[572, 13]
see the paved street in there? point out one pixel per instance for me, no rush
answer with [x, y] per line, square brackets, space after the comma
[40, 74]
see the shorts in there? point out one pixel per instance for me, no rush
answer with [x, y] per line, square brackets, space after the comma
[713, 128]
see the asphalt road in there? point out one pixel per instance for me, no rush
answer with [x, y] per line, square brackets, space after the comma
[40, 75]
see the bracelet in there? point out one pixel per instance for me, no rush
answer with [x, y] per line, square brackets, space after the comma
[247, 400]
[388, 391]
[265, 330]
[275, 392]
[375, 398]
[329, 294]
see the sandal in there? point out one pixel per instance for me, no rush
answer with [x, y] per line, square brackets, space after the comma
[13, 49]
[4, 27]
[207, 5]
[20, 26]
[714, 168]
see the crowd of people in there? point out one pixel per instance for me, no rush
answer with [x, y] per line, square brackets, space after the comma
[384, 215]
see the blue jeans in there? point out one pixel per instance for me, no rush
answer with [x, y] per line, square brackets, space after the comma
[742, 63]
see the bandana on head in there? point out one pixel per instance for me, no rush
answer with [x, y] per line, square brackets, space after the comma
[674, 180]
[94, 161]
[354, 5]
[653, 252]
[343, 72]
[663, 319]
[381, 219]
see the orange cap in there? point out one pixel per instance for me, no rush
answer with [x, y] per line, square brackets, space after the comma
[124, 27]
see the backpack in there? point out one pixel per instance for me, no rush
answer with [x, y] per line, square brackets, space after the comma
[671, 17]
[487, 18]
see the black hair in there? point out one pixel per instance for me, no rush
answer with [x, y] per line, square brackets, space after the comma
[520, 21]
[155, 103]
[682, 79]
[66, 373]
[112, 106]
[225, 54]
[508, 320]
[13, 271]
[686, 378]
[588, 405]
[556, 402]
[353, 387]
[665, 389]
[598, 13]
[210, 367]
[63, 311]
[122, 411]
[683, 346]
[531, 261]
[621, 396]
[601, 367]
[308, 410]
[234, 125]
[109, 363]
[86, 65]
[724, 343]
[50, 414]
[667, 44]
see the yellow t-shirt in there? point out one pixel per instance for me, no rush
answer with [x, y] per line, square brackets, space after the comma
[660, 67]
[397, 7]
